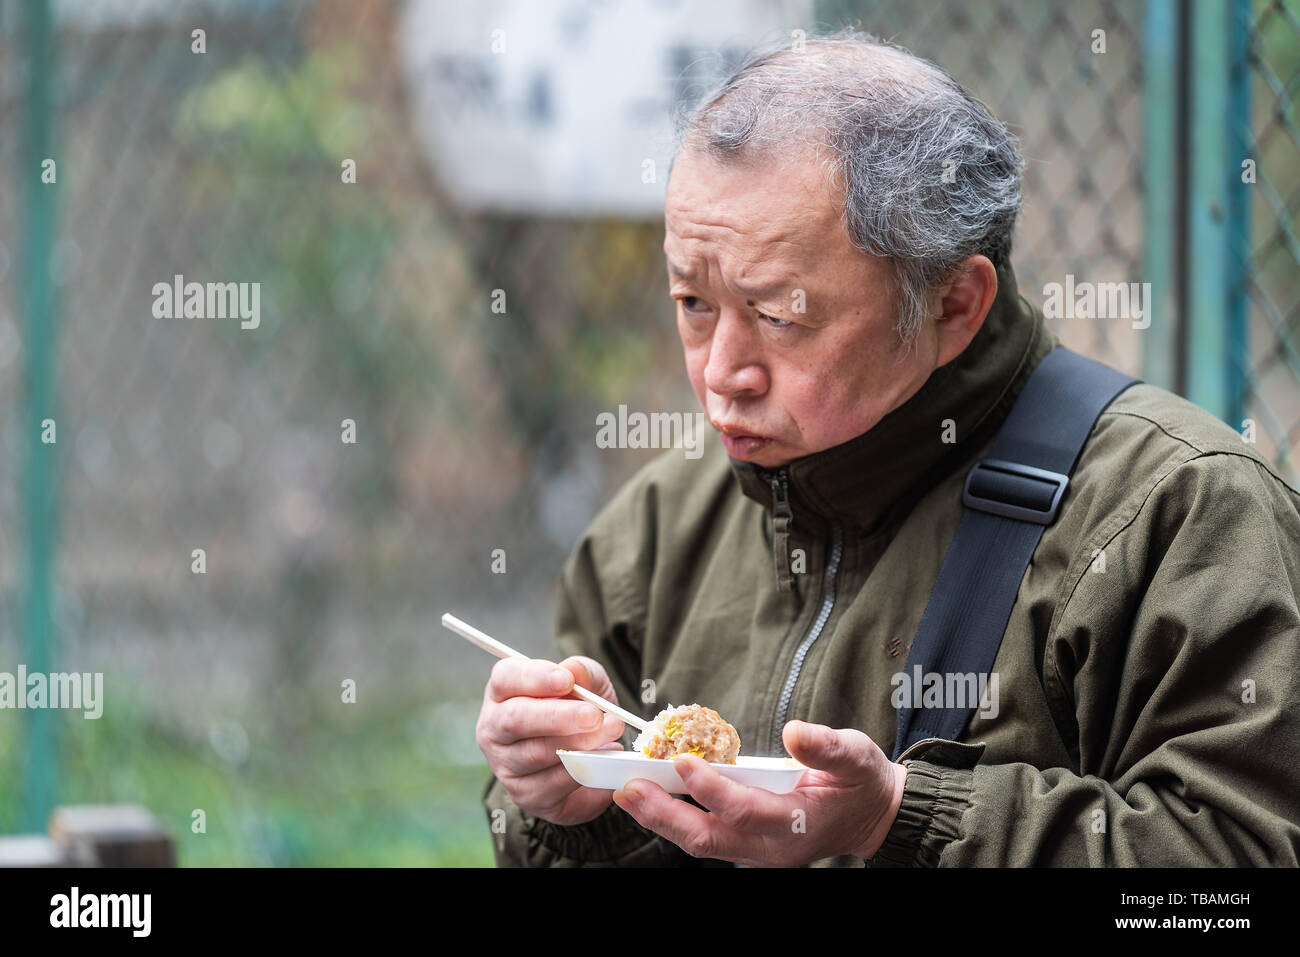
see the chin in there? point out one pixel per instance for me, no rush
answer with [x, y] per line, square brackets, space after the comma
[765, 457]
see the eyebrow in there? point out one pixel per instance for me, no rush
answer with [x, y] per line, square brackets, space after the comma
[675, 270]
[757, 292]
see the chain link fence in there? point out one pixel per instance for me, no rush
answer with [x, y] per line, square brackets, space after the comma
[1271, 283]
[1078, 116]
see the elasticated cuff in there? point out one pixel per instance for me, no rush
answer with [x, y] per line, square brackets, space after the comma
[934, 799]
[613, 834]
[528, 841]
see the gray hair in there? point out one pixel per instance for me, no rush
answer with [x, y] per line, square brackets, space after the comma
[928, 175]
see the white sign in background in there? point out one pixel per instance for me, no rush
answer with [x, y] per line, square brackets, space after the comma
[561, 117]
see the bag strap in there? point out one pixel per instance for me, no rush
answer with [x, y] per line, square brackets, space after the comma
[1009, 498]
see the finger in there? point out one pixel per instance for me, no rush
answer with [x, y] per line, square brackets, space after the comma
[544, 790]
[696, 832]
[532, 678]
[555, 758]
[534, 754]
[591, 675]
[845, 752]
[521, 718]
[746, 809]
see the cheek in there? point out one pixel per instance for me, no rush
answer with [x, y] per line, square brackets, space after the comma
[831, 402]
[696, 356]
[808, 402]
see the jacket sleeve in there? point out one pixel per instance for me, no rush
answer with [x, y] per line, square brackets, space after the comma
[1188, 728]
[601, 615]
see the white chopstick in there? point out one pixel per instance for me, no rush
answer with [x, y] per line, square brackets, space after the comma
[501, 650]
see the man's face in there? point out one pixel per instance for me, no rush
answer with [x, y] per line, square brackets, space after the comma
[788, 329]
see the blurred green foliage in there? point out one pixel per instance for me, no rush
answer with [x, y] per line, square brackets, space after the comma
[362, 789]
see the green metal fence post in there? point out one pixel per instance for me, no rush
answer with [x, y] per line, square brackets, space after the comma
[1209, 205]
[40, 474]
[1239, 195]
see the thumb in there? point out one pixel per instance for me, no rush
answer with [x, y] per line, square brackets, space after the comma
[843, 752]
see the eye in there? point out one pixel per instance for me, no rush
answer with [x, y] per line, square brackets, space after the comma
[774, 322]
[692, 303]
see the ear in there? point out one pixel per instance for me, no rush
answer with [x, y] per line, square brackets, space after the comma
[963, 305]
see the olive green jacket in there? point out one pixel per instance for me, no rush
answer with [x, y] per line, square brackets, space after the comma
[1149, 676]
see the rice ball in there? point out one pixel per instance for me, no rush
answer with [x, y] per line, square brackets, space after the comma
[689, 729]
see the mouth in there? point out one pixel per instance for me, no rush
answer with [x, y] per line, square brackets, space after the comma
[736, 432]
[739, 443]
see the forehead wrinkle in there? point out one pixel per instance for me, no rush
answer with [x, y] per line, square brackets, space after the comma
[739, 284]
[742, 282]
[717, 219]
[797, 219]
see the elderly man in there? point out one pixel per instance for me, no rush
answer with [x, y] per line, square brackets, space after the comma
[838, 229]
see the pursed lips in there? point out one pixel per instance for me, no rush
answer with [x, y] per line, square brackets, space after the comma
[735, 433]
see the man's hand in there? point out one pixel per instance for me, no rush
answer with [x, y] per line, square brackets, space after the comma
[526, 717]
[845, 804]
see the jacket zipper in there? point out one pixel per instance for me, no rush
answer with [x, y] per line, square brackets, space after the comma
[782, 519]
[828, 603]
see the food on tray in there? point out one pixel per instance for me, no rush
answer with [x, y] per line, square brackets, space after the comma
[689, 729]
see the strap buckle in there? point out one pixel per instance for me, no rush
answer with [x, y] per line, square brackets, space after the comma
[1016, 491]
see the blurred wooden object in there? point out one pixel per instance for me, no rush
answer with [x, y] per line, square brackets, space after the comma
[93, 835]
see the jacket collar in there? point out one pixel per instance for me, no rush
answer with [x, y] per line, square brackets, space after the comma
[890, 466]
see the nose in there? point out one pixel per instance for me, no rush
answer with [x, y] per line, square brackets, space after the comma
[734, 365]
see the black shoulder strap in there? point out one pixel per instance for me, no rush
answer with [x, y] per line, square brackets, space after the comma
[1009, 499]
